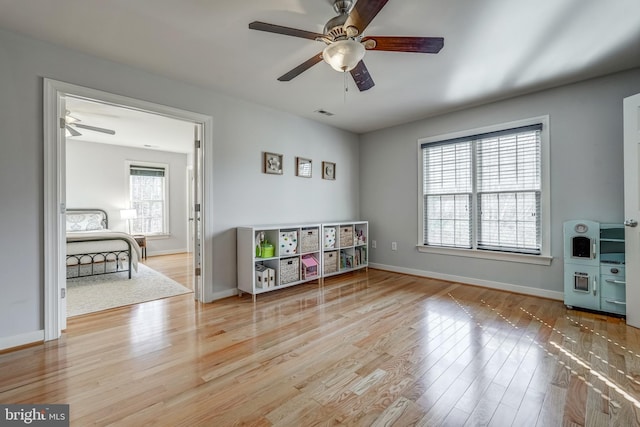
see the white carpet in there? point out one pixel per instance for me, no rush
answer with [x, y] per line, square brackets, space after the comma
[96, 293]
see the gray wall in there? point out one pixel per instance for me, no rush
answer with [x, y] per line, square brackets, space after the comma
[97, 178]
[240, 193]
[377, 178]
[586, 177]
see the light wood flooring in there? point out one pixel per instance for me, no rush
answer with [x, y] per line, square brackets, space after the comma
[178, 267]
[367, 348]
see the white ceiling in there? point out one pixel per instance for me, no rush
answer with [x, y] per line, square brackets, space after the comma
[133, 128]
[493, 49]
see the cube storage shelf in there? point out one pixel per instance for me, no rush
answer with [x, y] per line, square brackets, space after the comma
[280, 256]
[344, 247]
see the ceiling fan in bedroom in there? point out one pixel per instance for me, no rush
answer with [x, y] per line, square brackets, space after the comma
[73, 123]
[345, 43]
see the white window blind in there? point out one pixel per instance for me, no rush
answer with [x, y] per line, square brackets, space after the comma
[497, 175]
[148, 198]
[447, 194]
[508, 187]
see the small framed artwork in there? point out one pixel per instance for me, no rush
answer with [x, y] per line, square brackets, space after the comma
[272, 163]
[303, 167]
[328, 170]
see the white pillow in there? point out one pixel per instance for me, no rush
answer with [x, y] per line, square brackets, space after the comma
[84, 222]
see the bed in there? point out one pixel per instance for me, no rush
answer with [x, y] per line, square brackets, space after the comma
[93, 249]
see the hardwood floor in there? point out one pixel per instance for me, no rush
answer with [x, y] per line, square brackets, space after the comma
[368, 348]
[178, 267]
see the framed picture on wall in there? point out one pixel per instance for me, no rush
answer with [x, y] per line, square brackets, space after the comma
[303, 167]
[272, 163]
[328, 170]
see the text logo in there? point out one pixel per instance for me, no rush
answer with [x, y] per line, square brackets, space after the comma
[34, 415]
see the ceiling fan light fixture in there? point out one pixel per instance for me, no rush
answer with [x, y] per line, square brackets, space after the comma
[343, 55]
[68, 118]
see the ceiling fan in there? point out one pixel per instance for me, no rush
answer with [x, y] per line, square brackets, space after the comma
[73, 122]
[346, 44]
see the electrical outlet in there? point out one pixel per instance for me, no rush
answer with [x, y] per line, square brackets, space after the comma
[373, 244]
[394, 246]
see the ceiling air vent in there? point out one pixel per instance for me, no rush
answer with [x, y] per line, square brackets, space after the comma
[324, 112]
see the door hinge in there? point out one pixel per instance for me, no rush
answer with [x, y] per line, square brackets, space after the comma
[63, 293]
[197, 207]
[197, 143]
[198, 271]
[63, 123]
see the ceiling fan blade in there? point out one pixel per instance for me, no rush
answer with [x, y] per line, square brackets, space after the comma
[362, 77]
[72, 131]
[278, 29]
[404, 44]
[363, 13]
[301, 68]
[94, 128]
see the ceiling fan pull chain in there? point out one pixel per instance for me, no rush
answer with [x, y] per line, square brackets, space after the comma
[346, 88]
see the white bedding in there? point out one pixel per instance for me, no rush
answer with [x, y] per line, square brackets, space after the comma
[96, 241]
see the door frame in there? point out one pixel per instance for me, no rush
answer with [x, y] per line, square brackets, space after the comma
[54, 93]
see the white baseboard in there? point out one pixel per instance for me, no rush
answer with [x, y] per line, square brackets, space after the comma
[22, 339]
[167, 252]
[555, 295]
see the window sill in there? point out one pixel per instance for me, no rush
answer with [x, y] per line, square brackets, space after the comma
[496, 256]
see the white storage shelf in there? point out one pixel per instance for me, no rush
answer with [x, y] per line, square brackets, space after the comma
[291, 243]
[292, 246]
[345, 247]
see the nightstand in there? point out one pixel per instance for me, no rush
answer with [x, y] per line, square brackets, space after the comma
[142, 242]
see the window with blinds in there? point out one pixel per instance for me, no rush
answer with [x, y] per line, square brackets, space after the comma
[148, 196]
[484, 191]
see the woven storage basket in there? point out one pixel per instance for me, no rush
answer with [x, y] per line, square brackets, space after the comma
[346, 236]
[309, 240]
[289, 270]
[330, 262]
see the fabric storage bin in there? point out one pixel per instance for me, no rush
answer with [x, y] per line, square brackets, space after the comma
[289, 270]
[346, 236]
[329, 237]
[330, 262]
[288, 242]
[309, 240]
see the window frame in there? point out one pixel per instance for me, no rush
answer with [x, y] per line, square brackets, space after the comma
[165, 213]
[544, 258]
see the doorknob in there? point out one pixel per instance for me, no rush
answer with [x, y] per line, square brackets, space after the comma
[631, 223]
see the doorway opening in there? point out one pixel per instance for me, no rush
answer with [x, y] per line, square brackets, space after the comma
[102, 118]
[133, 165]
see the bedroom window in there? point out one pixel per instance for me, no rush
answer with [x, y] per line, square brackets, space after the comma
[483, 192]
[148, 195]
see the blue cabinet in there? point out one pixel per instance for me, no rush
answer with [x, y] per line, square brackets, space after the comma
[594, 276]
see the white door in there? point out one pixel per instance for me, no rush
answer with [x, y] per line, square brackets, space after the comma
[62, 249]
[632, 206]
[197, 213]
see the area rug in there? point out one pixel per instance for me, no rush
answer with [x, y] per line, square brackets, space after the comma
[96, 293]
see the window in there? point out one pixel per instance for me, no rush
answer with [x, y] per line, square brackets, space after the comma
[148, 195]
[483, 191]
